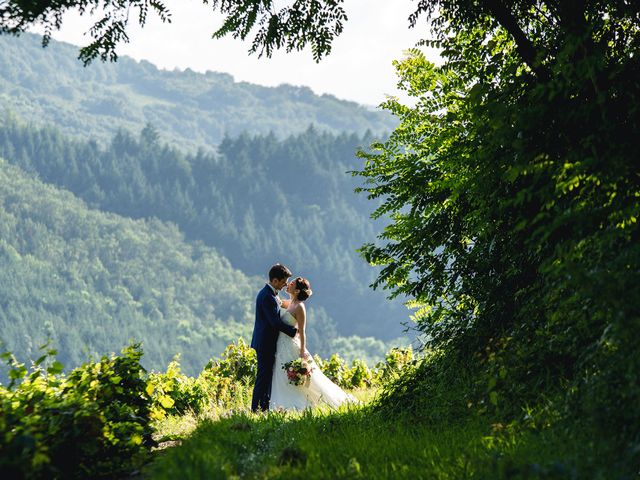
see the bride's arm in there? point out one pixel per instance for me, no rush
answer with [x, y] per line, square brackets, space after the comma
[301, 318]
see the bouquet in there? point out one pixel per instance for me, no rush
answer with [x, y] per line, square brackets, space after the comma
[298, 371]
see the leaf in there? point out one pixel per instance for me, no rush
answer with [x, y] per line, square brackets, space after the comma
[17, 373]
[40, 360]
[150, 388]
[492, 383]
[166, 402]
[55, 368]
[493, 397]
[511, 174]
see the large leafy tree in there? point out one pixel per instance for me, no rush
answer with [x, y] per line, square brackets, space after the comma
[513, 185]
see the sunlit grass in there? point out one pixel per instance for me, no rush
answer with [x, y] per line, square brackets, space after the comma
[355, 442]
[178, 427]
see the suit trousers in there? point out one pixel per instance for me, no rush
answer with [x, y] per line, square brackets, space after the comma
[262, 388]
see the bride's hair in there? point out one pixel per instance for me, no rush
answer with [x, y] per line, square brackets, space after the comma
[304, 286]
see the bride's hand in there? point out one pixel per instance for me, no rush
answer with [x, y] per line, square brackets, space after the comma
[305, 355]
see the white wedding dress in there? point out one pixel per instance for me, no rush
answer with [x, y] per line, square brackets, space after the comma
[318, 390]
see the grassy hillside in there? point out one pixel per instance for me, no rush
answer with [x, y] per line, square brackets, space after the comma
[360, 444]
[193, 110]
[426, 422]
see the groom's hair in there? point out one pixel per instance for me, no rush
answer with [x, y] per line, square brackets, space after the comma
[279, 272]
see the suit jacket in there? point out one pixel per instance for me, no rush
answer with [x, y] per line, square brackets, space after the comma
[268, 324]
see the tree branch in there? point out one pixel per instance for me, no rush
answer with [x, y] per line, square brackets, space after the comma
[524, 46]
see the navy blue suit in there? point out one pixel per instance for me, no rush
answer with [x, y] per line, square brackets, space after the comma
[265, 336]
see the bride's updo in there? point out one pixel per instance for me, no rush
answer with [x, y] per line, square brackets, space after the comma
[304, 287]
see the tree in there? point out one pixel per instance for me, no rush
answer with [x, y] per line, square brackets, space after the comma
[513, 193]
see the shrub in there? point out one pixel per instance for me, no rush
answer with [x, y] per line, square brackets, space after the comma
[359, 375]
[438, 387]
[396, 360]
[174, 393]
[335, 369]
[228, 381]
[238, 362]
[92, 424]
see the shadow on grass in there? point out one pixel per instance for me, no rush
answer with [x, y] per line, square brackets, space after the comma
[355, 442]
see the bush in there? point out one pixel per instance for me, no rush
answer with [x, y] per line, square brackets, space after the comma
[359, 375]
[92, 424]
[174, 393]
[335, 369]
[396, 360]
[238, 362]
[229, 380]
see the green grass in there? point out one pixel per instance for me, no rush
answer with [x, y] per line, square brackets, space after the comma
[358, 443]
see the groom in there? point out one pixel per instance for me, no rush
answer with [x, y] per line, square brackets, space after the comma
[265, 334]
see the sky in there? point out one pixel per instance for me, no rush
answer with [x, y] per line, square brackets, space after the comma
[359, 67]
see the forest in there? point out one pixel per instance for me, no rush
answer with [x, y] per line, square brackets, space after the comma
[90, 281]
[258, 201]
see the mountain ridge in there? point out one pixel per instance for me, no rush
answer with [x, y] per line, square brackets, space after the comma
[193, 110]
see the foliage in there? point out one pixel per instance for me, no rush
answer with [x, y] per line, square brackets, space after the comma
[174, 393]
[302, 23]
[97, 421]
[94, 423]
[434, 389]
[314, 22]
[228, 381]
[107, 32]
[395, 362]
[424, 424]
[238, 362]
[360, 375]
[513, 198]
[89, 281]
[223, 383]
[335, 368]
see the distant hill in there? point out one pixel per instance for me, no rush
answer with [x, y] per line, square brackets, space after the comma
[90, 281]
[257, 201]
[50, 86]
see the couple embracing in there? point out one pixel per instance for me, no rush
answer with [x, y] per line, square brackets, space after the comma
[279, 339]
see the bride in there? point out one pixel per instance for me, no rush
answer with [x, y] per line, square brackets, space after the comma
[319, 389]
